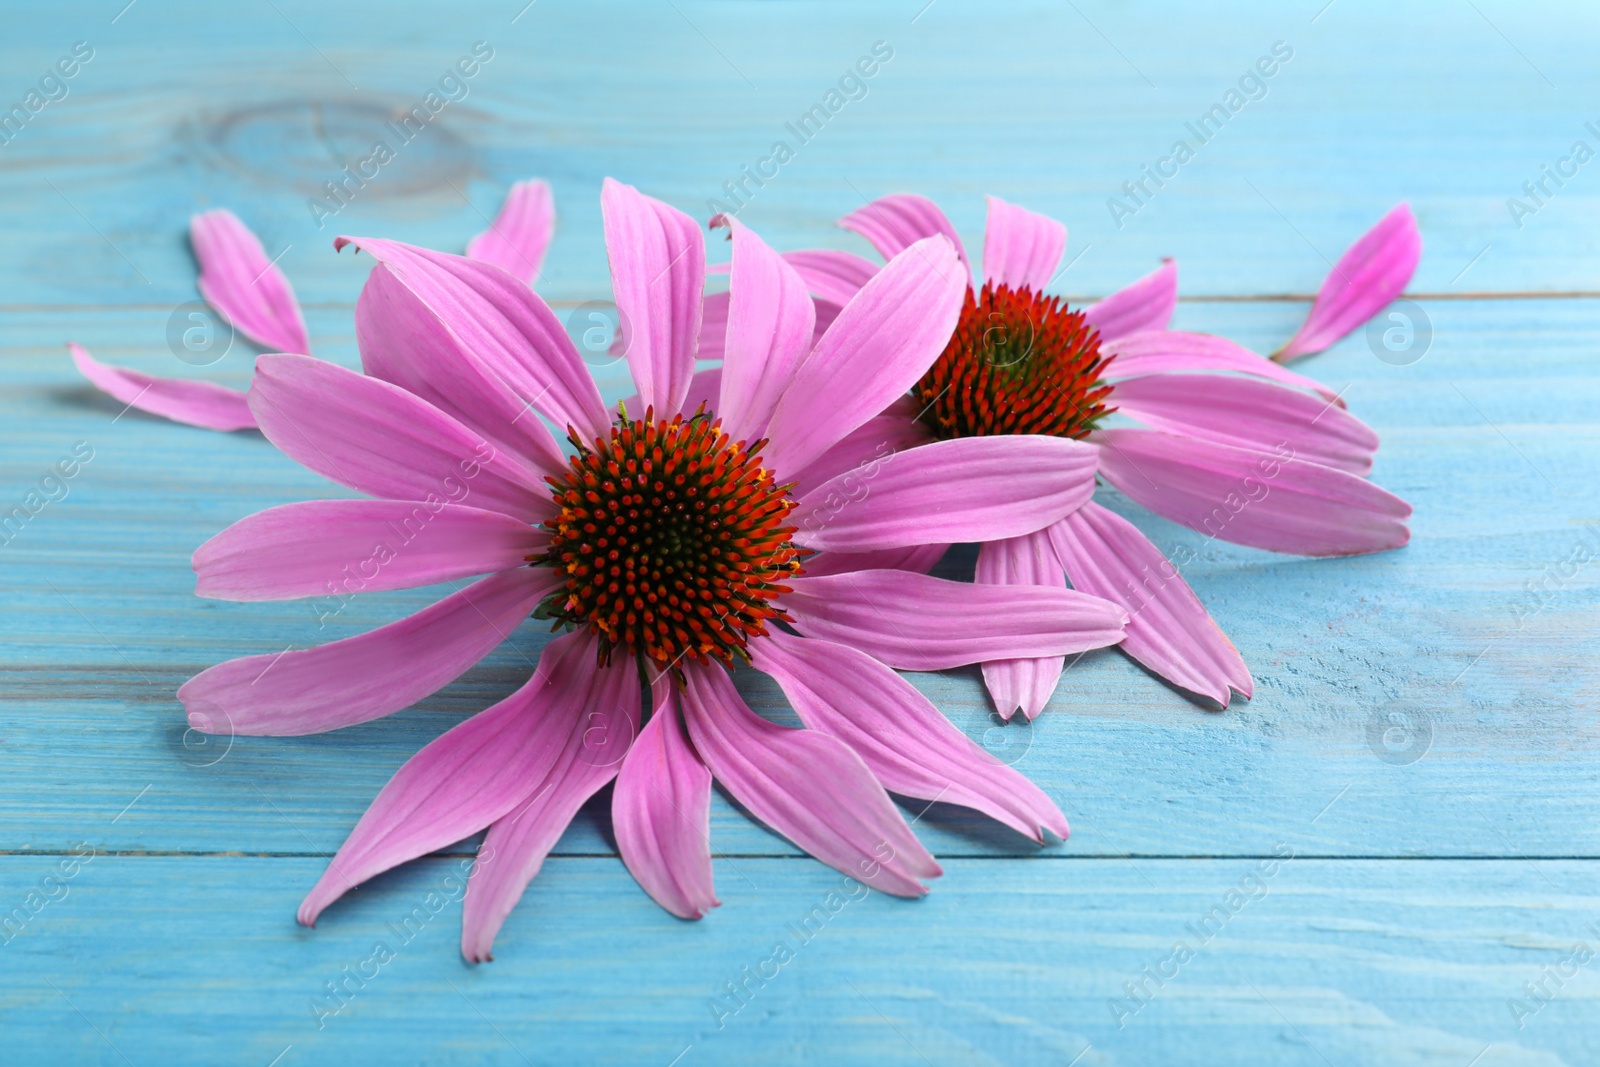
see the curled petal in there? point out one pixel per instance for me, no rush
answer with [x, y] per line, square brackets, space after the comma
[1273, 500]
[1169, 630]
[1371, 273]
[313, 690]
[1147, 304]
[905, 741]
[807, 785]
[832, 277]
[965, 489]
[1026, 683]
[517, 238]
[327, 547]
[894, 223]
[916, 623]
[658, 271]
[1021, 248]
[205, 404]
[661, 811]
[244, 285]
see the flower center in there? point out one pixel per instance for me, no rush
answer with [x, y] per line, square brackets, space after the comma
[1018, 363]
[671, 540]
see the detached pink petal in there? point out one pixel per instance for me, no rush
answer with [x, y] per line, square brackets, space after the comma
[904, 740]
[661, 812]
[913, 622]
[517, 238]
[1147, 304]
[919, 558]
[808, 786]
[485, 316]
[381, 440]
[1371, 273]
[313, 690]
[586, 732]
[658, 271]
[881, 343]
[244, 284]
[894, 223]
[1017, 562]
[1169, 630]
[965, 489]
[469, 776]
[835, 277]
[1170, 351]
[1272, 500]
[770, 320]
[1249, 413]
[341, 547]
[204, 404]
[1021, 248]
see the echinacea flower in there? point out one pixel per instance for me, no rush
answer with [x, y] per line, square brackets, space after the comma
[1231, 444]
[249, 291]
[669, 546]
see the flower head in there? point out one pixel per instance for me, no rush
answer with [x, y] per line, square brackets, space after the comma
[670, 543]
[1229, 444]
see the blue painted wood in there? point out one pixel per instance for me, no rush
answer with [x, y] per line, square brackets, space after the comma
[1424, 893]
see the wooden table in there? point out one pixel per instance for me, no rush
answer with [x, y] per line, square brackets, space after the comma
[1434, 875]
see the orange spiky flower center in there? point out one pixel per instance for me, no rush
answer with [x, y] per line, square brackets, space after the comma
[671, 540]
[1018, 363]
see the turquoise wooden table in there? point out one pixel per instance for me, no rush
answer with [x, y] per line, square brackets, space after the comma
[1389, 856]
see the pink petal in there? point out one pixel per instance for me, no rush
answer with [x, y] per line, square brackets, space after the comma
[600, 712]
[404, 343]
[770, 319]
[1169, 351]
[894, 223]
[919, 558]
[881, 343]
[244, 285]
[482, 315]
[342, 547]
[966, 489]
[1169, 630]
[204, 404]
[381, 440]
[517, 238]
[704, 388]
[658, 269]
[1024, 684]
[471, 775]
[916, 623]
[1249, 413]
[661, 812]
[1147, 304]
[905, 741]
[808, 786]
[1272, 500]
[862, 450]
[310, 691]
[713, 327]
[835, 277]
[1021, 248]
[1371, 273]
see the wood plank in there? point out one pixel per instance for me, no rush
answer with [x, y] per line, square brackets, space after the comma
[198, 960]
[1057, 106]
[1446, 626]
